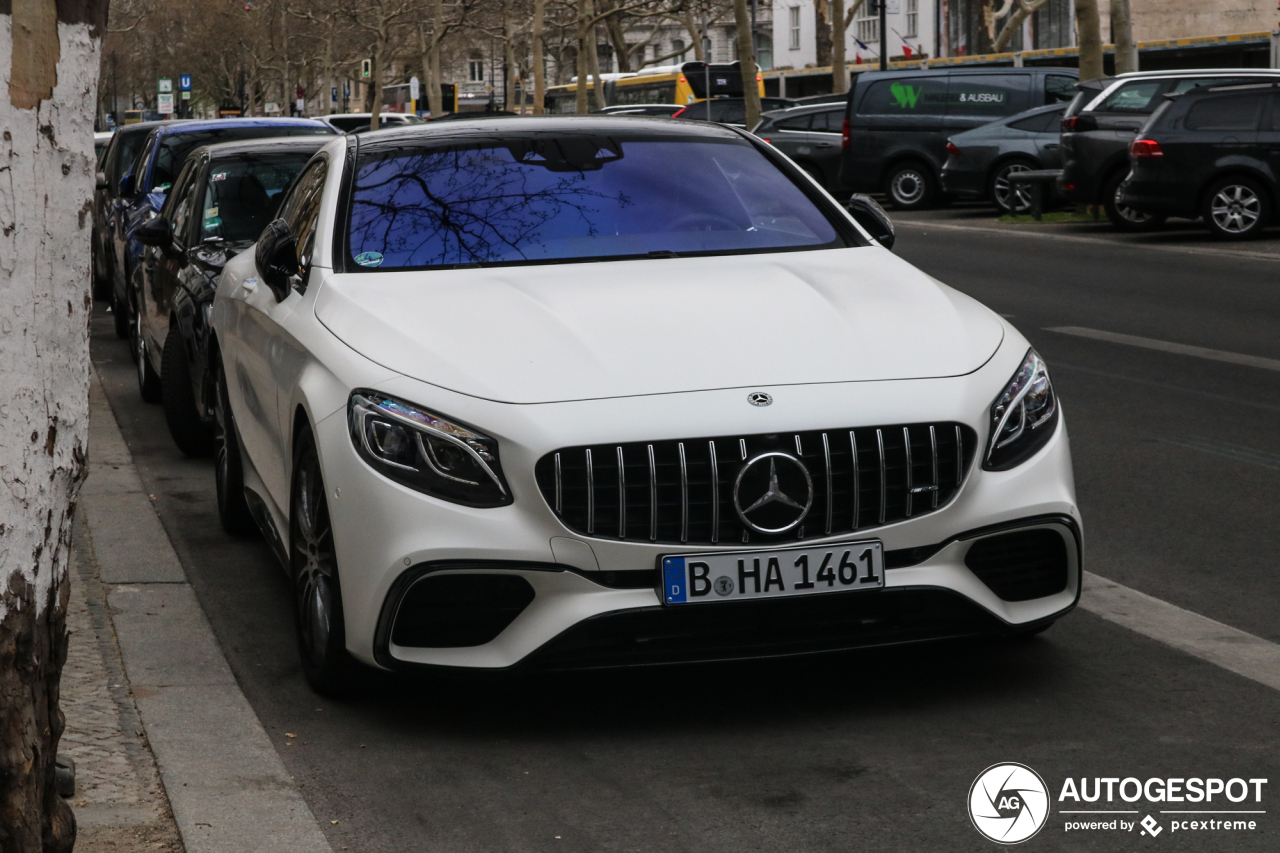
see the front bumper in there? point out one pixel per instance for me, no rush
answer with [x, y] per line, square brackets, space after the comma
[1158, 197]
[593, 601]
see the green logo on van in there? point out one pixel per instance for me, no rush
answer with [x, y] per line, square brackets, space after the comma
[906, 96]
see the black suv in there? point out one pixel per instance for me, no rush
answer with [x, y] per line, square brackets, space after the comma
[1101, 122]
[1213, 153]
[897, 122]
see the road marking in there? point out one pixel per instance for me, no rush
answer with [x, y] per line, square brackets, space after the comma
[1235, 452]
[1167, 346]
[1059, 366]
[1027, 231]
[1199, 636]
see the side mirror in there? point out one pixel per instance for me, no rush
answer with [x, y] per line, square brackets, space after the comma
[871, 216]
[277, 258]
[101, 180]
[156, 231]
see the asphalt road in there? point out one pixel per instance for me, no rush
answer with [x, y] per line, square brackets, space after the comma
[1176, 459]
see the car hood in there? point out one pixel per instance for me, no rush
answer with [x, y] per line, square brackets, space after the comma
[537, 334]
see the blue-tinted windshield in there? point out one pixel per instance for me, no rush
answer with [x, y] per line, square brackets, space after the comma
[570, 197]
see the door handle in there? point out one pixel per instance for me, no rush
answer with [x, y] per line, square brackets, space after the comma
[825, 145]
[1051, 145]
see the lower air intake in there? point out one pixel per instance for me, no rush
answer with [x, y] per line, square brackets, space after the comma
[452, 611]
[1021, 565]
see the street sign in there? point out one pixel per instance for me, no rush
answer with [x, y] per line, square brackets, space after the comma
[271, 107]
[302, 104]
[164, 104]
[186, 96]
[414, 91]
[299, 92]
[166, 85]
[184, 82]
[333, 94]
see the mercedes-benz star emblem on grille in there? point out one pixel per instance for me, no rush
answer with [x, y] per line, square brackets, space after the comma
[773, 493]
[759, 398]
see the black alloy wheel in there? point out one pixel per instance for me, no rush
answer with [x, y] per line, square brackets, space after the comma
[148, 381]
[1011, 198]
[233, 509]
[1236, 208]
[317, 592]
[191, 432]
[910, 186]
[1122, 216]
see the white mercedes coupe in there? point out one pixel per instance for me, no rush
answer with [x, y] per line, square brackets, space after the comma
[593, 391]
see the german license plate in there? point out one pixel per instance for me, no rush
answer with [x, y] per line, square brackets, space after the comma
[775, 573]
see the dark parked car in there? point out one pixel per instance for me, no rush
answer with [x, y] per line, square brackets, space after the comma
[728, 110]
[1212, 153]
[640, 110]
[143, 188]
[222, 199]
[981, 160]
[809, 135]
[898, 122]
[108, 206]
[1099, 125]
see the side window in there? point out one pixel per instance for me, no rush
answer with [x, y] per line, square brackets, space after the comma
[1059, 88]
[989, 94]
[1225, 112]
[177, 207]
[1274, 123]
[139, 165]
[301, 210]
[829, 121]
[1039, 123]
[1136, 97]
[907, 96]
[794, 123]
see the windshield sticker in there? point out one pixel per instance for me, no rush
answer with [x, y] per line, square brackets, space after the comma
[369, 259]
[211, 211]
[220, 176]
[211, 222]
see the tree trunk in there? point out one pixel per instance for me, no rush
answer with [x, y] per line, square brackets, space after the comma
[1089, 37]
[375, 85]
[1025, 9]
[1122, 32]
[539, 69]
[584, 31]
[286, 93]
[618, 38]
[823, 29]
[695, 35]
[593, 66]
[509, 56]
[839, 71]
[50, 53]
[747, 62]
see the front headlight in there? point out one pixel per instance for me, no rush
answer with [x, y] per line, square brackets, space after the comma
[1023, 417]
[425, 452]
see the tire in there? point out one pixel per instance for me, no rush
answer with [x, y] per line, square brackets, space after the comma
[148, 381]
[233, 509]
[191, 432]
[1009, 199]
[1236, 209]
[910, 186]
[1122, 217]
[321, 634]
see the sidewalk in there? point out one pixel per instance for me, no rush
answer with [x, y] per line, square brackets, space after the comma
[169, 755]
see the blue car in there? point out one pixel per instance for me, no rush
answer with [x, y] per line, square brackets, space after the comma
[144, 185]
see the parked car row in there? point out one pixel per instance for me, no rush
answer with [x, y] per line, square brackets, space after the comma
[581, 485]
[920, 137]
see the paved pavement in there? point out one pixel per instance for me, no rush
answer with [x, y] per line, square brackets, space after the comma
[1175, 459]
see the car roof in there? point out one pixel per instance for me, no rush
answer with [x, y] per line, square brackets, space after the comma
[1198, 72]
[215, 123]
[392, 138]
[1214, 91]
[804, 109]
[147, 126]
[872, 76]
[276, 145]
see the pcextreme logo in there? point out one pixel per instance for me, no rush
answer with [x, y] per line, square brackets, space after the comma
[905, 96]
[1009, 803]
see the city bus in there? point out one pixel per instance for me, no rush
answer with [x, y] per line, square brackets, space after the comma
[681, 85]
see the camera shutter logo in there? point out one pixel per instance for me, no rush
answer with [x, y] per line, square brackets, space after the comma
[1008, 803]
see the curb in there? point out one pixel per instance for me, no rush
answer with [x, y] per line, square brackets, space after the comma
[228, 789]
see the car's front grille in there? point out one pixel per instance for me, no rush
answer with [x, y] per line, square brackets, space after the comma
[683, 491]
